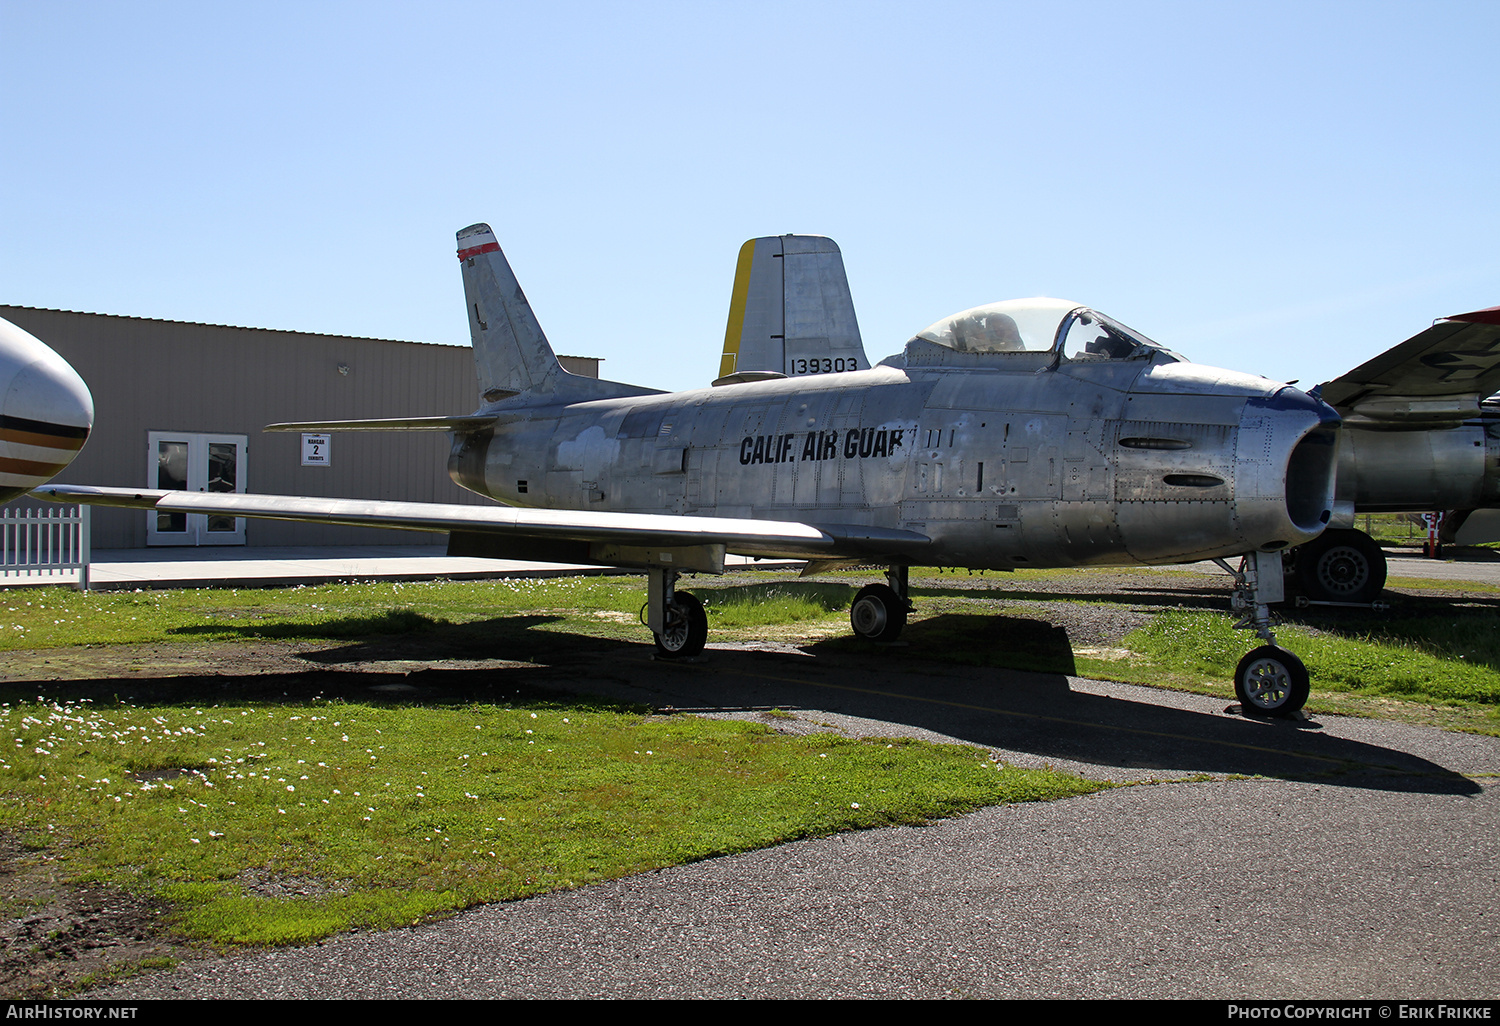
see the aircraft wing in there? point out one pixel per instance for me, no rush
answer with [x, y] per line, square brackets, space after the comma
[1437, 376]
[791, 312]
[469, 423]
[579, 536]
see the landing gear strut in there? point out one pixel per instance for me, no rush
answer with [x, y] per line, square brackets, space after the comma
[879, 610]
[675, 617]
[1269, 681]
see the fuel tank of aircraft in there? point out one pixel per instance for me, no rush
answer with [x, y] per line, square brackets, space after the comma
[46, 412]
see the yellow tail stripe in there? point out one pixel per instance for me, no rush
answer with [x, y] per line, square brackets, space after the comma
[737, 302]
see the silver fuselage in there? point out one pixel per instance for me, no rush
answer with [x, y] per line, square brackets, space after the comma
[1004, 460]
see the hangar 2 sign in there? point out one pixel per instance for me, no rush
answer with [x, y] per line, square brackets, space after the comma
[315, 451]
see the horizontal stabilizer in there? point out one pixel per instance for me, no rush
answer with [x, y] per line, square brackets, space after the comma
[461, 425]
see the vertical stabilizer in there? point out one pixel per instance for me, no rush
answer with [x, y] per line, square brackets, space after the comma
[511, 352]
[791, 311]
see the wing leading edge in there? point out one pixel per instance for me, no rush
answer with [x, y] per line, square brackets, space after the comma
[618, 539]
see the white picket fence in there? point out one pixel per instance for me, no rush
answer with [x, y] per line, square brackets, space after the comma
[45, 546]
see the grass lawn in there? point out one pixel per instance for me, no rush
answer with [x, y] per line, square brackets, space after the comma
[284, 821]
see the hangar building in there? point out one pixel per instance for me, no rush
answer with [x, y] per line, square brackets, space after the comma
[182, 405]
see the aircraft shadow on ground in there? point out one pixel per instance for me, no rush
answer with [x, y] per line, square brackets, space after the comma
[428, 688]
[1034, 711]
[393, 623]
[1038, 712]
[408, 635]
[1456, 553]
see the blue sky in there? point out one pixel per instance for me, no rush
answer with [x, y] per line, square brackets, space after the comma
[1285, 188]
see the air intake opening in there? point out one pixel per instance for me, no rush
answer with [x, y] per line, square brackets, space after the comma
[1310, 477]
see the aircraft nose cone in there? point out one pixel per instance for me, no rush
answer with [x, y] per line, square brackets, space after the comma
[50, 392]
[45, 413]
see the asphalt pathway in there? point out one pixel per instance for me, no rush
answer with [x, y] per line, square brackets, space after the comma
[1334, 858]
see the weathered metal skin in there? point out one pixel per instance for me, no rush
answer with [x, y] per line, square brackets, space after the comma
[1002, 459]
[1027, 433]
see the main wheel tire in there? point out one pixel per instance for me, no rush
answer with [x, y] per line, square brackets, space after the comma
[1341, 566]
[878, 613]
[686, 629]
[1270, 681]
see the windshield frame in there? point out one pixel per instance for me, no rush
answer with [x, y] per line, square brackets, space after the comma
[1136, 346]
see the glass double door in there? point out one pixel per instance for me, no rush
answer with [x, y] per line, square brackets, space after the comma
[185, 461]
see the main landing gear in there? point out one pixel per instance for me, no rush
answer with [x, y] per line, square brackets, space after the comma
[1269, 681]
[1340, 565]
[879, 610]
[675, 617]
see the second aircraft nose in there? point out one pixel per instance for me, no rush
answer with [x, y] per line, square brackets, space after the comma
[46, 412]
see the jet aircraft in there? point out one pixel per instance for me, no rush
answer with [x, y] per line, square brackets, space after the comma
[45, 412]
[1418, 432]
[1033, 433]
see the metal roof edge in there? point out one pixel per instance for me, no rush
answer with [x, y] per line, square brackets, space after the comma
[235, 327]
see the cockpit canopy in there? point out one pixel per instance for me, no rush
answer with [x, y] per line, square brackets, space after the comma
[1040, 326]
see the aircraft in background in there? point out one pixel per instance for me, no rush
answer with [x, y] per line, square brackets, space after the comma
[1418, 434]
[1034, 433]
[1417, 437]
[46, 412]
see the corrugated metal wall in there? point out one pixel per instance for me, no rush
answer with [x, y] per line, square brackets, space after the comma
[150, 375]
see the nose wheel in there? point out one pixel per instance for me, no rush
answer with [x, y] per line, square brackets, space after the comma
[1270, 681]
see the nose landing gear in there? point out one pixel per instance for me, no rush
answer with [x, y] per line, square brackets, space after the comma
[1269, 681]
